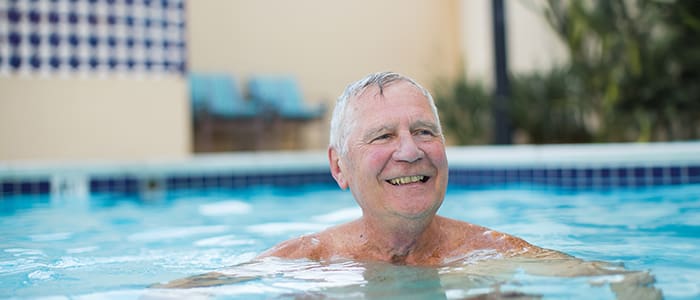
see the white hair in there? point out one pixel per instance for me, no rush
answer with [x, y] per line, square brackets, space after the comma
[342, 122]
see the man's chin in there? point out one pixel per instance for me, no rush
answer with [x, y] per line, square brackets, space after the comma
[417, 213]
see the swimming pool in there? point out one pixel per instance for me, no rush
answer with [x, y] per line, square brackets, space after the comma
[112, 230]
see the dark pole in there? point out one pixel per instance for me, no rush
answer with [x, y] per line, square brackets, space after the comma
[500, 107]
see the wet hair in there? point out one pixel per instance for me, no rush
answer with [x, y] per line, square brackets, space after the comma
[342, 122]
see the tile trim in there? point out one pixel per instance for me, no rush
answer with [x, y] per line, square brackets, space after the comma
[570, 166]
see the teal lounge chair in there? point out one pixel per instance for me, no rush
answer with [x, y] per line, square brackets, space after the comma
[217, 95]
[282, 95]
[221, 113]
[199, 93]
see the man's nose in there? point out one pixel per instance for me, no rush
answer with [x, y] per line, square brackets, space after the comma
[407, 149]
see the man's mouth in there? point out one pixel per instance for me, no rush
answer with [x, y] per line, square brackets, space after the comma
[408, 179]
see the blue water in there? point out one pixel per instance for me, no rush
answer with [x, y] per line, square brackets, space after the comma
[114, 247]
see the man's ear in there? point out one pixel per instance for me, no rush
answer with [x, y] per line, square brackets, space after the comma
[337, 168]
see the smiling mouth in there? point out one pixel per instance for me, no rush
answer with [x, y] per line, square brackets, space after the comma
[408, 179]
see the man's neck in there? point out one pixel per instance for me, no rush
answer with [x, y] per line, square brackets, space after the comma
[403, 241]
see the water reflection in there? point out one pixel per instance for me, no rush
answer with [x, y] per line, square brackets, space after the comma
[490, 279]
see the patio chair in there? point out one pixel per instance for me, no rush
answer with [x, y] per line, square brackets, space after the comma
[218, 95]
[282, 95]
[220, 110]
[199, 93]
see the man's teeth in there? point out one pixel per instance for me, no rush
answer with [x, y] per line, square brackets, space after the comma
[406, 180]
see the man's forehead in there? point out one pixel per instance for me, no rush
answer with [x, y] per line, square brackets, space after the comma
[372, 95]
[371, 117]
[375, 91]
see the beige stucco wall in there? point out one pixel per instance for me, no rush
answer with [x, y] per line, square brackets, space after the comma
[531, 43]
[326, 44]
[77, 118]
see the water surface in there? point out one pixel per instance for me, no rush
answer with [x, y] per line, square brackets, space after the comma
[116, 247]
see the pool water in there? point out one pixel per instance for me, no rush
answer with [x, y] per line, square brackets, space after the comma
[117, 247]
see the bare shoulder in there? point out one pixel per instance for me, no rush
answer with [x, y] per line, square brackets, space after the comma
[306, 246]
[470, 237]
[317, 246]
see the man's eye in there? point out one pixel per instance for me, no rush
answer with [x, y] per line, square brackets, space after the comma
[382, 137]
[425, 132]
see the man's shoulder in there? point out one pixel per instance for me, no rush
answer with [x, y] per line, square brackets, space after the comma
[454, 225]
[306, 246]
[317, 246]
[476, 236]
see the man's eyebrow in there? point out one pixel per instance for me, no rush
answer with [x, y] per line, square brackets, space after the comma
[425, 124]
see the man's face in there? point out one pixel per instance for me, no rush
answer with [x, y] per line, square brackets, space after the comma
[395, 163]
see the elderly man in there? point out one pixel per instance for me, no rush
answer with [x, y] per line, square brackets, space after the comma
[387, 147]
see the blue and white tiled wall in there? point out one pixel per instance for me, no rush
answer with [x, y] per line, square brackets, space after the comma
[92, 36]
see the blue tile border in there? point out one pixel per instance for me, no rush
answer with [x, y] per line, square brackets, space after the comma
[564, 177]
[579, 177]
[595, 166]
[133, 184]
[25, 187]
